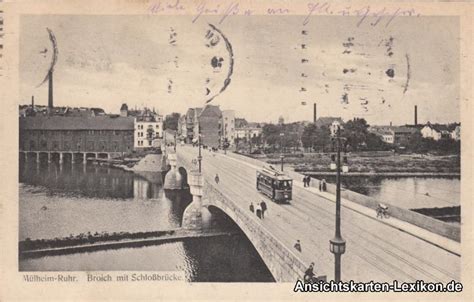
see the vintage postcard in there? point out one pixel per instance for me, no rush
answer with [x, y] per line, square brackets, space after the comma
[211, 150]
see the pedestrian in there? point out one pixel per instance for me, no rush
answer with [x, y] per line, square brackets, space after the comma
[259, 213]
[308, 180]
[320, 185]
[304, 181]
[298, 245]
[251, 207]
[309, 274]
[217, 178]
[263, 206]
[324, 185]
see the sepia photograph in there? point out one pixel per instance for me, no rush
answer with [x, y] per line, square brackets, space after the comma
[320, 149]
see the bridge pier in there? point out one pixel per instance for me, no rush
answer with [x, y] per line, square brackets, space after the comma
[192, 217]
[61, 158]
[49, 157]
[173, 179]
[73, 160]
[37, 157]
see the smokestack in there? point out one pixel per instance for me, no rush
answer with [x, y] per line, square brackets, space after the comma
[33, 102]
[314, 113]
[50, 90]
[416, 115]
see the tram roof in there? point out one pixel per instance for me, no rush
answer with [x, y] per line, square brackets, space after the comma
[275, 174]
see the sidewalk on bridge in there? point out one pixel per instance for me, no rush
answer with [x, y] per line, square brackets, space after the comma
[435, 239]
[423, 234]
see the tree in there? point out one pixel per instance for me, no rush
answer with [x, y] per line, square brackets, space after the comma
[375, 143]
[356, 133]
[271, 134]
[171, 121]
[316, 138]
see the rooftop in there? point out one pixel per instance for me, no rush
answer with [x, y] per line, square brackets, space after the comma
[76, 123]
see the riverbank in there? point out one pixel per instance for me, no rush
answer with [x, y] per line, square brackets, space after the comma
[375, 163]
[144, 163]
[103, 241]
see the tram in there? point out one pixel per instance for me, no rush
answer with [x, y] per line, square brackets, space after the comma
[274, 184]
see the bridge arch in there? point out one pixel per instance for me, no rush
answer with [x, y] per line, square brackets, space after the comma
[184, 174]
[283, 265]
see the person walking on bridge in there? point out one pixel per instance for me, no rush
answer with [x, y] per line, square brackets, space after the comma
[217, 178]
[298, 245]
[309, 274]
[251, 207]
[263, 206]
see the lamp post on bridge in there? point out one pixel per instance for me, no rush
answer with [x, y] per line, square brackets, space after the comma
[281, 149]
[199, 158]
[337, 245]
[175, 140]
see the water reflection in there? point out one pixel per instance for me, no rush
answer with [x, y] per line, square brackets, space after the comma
[59, 200]
[91, 181]
[407, 192]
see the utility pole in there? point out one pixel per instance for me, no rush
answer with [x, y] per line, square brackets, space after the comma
[337, 244]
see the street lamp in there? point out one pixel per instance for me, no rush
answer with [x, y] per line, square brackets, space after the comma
[199, 145]
[337, 245]
[281, 149]
[281, 141]
[225, 139]
[175, 140]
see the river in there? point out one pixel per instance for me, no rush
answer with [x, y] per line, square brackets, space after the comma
[60, 201]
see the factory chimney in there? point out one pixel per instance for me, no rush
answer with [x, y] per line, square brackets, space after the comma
[32, 102]
[50, 90]
[314, 113]
[416, 115]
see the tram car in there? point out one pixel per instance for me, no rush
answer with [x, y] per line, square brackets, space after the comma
[274, 184]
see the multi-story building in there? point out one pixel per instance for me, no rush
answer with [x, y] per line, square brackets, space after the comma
[209, 126]
[148, 126]
[192, 128]
[456, 133]
[397, 135]
[248, 132]
[100, 134]
[182, 129]
[228, 126]
[436, 131]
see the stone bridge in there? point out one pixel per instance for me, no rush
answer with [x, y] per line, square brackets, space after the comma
[379, 250]
[283, 263]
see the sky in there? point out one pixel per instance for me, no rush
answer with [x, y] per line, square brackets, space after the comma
[166, 62]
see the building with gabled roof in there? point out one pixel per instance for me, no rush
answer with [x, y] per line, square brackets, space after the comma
[436, 131]
[328, 121]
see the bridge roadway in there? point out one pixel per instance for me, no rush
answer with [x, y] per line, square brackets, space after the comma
[374, 251]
